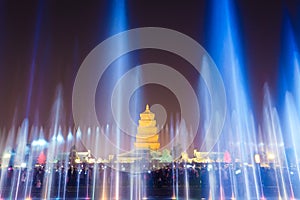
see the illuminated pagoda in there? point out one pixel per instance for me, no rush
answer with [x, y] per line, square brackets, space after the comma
[146, 139]
[147, 136]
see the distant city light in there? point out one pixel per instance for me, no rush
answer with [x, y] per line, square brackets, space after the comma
[23, 165]
[257, 158]
[209, 167]
[271, 156]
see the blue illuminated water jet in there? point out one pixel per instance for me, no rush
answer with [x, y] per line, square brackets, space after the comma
[274, 172]
[34, 55]
[240, 124]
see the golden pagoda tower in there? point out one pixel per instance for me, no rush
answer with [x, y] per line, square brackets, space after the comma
[147, 136]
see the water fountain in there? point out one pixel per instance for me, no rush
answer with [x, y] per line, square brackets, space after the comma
[261, 159]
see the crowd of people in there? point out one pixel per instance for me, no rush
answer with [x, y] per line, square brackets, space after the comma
[223, 177]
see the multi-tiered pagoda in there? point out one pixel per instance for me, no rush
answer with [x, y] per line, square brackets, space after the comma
[146, 139]
[147, 136]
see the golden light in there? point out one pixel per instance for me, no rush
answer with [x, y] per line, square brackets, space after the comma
[271, 156]
[257, 158]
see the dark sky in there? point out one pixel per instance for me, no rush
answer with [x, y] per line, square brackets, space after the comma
[46, 41]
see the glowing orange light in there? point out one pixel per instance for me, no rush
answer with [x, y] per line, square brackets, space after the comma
[257, 158]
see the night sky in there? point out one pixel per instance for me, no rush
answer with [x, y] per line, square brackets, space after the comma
[44, 42]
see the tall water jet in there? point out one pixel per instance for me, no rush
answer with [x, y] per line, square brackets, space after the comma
[20, 158]
[274, 140]
[239, 127]
[7, 158]
[289, 106]
[54, 143]
[118, 20]
[34, 56]
[245, 174]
